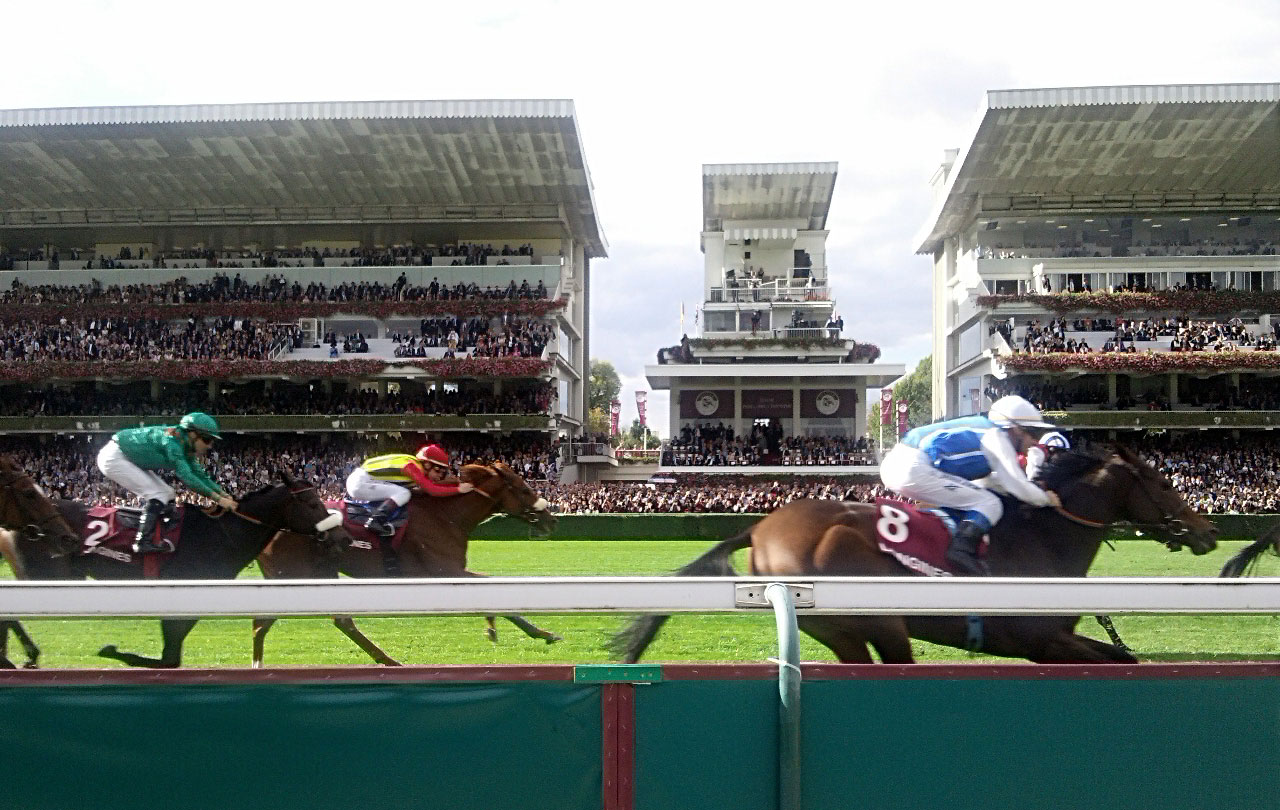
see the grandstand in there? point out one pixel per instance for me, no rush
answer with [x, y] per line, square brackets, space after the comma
[1111, 252]
[375, 273]
[771, 383]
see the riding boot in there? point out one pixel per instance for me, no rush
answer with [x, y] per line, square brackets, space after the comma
[379, 521]
[146, 542]
[963, 551]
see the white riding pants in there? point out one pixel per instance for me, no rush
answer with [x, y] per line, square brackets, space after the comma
[910, 471]
[117, 467]
[362, 486]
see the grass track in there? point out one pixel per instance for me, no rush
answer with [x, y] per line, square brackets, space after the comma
[459, 640]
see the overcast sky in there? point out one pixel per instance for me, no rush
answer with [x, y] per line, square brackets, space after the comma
[660, 89]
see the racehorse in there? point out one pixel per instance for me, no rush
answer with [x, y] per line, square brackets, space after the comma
[23, 507]
[435, 545]
[216, 544]
[834, 538]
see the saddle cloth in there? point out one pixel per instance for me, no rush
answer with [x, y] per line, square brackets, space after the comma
[109, 531]
[916, 538]
[355, 513]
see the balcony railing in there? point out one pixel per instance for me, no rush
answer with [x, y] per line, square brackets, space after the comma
[778, 289]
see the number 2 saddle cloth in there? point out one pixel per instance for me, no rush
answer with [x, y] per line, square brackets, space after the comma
[917, 538]
[109, 531]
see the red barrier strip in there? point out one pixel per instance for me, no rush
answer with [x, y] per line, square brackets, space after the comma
[617, 707]
[191, 677]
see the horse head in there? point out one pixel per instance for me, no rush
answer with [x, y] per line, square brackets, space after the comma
[24, 508]
[297, 507]
[1121, 487]
[511, 494]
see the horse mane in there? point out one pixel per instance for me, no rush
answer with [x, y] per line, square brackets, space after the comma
[259, 492]
[1070, 465]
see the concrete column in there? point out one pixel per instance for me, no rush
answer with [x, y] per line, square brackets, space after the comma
[795, 410]
[326, 385]
[155, 389]
[673, 411]
[1111, 389]
[1173, 389]
[211, 391]
[860, 412]
[739, 428]
[497, 387]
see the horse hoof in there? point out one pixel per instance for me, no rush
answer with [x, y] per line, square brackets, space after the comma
[108, 651]
[32, 664]
[552, 638]
[391, 662]
[5, 663]
[491, 635]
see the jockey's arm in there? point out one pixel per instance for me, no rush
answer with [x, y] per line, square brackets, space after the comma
[1003, 459]
[195, 477]
[430, 487]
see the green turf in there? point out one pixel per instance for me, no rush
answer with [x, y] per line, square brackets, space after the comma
[716, 637]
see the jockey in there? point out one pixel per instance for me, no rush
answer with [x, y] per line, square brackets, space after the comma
[1037, 454]
[938, 464]
[132, 454]
[387, 478]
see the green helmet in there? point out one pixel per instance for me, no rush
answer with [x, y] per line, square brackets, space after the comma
[200, 423]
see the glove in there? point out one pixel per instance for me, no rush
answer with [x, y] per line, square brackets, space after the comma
[466, 487]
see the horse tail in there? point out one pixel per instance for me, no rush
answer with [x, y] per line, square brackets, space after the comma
[1246, 559]
[630, 642]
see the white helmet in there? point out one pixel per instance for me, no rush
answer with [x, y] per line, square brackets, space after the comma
[1014, 411]
[1055, 440]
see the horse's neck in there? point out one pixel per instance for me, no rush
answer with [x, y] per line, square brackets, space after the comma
[475, 508]
[1041, 542]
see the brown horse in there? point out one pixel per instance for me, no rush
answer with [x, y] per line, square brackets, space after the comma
[435, 545]
[25, 509]
[214, 545]
[833, 538]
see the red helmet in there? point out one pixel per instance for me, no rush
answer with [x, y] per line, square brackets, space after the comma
[433, 454]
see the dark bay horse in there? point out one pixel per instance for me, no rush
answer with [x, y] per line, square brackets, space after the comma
[435, 545]
[833, 538]
[214, 545]
[24, 508]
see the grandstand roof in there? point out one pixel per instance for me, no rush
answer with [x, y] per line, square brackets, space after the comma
[310, 162]
[1152, 147]
[767, 191]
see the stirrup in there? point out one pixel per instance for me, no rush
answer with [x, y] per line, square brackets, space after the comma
[380, 527]
[150, 546]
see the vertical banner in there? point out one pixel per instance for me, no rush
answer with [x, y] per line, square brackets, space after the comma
[642, 397]
[886, 406]
[615, 410]
[903, 407]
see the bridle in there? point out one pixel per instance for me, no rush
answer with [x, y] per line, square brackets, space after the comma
[330, 521]
[1168, 523]
[37, 528]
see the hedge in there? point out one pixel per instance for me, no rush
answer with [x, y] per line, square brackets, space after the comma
[721, 526]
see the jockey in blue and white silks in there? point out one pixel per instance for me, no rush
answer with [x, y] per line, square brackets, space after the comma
[938, 464]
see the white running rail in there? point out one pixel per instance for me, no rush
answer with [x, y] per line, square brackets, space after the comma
[400, 597]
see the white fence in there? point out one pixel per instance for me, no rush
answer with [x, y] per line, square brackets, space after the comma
[829, 595]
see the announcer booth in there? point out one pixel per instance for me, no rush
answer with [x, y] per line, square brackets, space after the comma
[772, 351]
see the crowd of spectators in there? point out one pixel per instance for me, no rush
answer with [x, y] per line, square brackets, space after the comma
[65, 466]
[456, 401]
[708, 445]
[1249, 246]
[504, 337]
[117, 338]
[704, 493]
[461, 253]
[1184, 334]
[272, 289]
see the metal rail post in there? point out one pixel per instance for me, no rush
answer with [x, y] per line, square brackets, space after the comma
[784, 612]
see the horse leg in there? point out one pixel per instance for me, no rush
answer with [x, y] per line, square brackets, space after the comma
[842, 634]
[1068, 648]
[490, 629]
[261, 626]
[348, 626]
[5, 626]
[1107, 625]
[28, 646]
[173, 631]
[532, 630]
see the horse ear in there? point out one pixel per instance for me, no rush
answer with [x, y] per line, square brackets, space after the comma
[286, 478]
